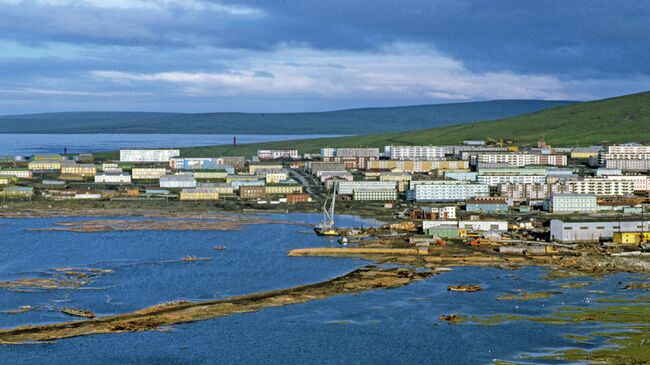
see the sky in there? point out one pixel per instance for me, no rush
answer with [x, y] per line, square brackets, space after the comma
[312, 55]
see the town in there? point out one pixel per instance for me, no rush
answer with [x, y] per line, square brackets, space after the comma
[491, 190]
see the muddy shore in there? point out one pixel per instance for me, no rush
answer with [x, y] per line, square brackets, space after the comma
[153, 318]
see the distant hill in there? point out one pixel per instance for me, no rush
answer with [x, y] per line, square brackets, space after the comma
[608, 121]
[353, 121]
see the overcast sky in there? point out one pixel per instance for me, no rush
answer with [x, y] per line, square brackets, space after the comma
[309, 55]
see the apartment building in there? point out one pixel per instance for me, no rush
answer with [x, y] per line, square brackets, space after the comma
[350, 152]
[199, 194]
[277, 154]
[147, 173]
[177, 181]
[79, 169]
[348, 187]
[374, 194]
[442, 192]
[148, 155]
[415, 152]
[572, 203]
[418, 166]
[603, 186]
[522, 159]
[112, 178]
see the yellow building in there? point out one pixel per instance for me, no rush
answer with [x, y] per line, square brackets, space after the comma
[51, 157]
[631, 238]
[275, 177]
[44, 165]
[199, 194]
[80, 169]
[212, 175]
[283, 189]
[402, 179]
[4, 180]
[583, 155]
[232, 178]
[254, 167]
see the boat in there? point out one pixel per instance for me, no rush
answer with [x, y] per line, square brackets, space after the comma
[78, 312]
[464, 288]
[219, 248]
[326, 226]
[343, 241]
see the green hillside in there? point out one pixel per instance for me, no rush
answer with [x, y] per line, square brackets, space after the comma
[340, 122]
[615, 120]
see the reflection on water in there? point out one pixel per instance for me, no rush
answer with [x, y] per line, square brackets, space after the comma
[397, 326]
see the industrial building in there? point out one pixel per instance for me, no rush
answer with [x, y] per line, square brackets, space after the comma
[593, 231]
[470, 226]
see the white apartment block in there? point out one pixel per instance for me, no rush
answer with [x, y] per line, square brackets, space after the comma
[163, 155]
[573, 203]
[628, 149]
[440, 192]
[374, 194]
[113, 178]
[348, 187]
[602, 186]
[147, 173]
[415, 152]
[640, 182]
[496, 180]
[354, 152]
[522, 159]
[475, 226]
[276, 154]
[628, 164]
[177, 181]
[523, 192]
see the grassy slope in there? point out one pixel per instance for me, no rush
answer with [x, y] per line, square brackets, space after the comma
[615, 120]
[353, 121]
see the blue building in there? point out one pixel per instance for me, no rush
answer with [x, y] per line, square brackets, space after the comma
[487, 205]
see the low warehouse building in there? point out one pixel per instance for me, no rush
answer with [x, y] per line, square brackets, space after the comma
[199, 194]
[593, 231]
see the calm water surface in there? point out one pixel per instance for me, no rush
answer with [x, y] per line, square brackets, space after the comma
[397, 326]
[27, 144]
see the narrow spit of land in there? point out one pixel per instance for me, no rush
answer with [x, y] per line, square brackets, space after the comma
[153, 318]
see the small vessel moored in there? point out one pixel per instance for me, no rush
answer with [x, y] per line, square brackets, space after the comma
[326, 227]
